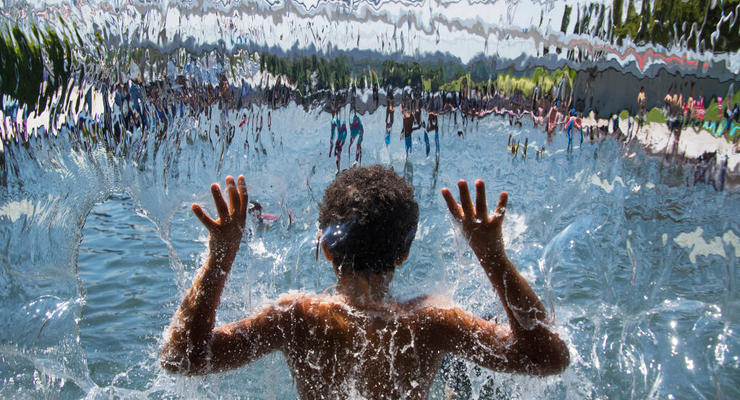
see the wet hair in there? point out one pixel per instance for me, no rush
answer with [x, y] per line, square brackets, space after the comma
[368, 217]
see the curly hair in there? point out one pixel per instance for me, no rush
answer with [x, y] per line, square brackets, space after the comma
[370, 217]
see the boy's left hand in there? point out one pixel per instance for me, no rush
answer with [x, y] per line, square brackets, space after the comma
[483, 231]
[226, 232]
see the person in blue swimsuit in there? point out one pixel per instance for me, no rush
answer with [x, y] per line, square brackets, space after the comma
[341, 137]
[432, 125]
[408, 123]
[334, 126]
[573, 121]
[356, 131]
[388, 118]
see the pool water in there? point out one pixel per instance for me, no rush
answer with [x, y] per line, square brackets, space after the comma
[638, 269]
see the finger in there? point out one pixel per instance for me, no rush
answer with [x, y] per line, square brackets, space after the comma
[481, 206]
[503, 199]
[465, 201]
[452, 204]
[243, 196]
[221, 207]
[209, 223]
[234, 202]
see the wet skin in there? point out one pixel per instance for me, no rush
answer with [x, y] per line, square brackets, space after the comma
[361, 341]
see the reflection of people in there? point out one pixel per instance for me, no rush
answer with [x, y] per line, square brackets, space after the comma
[341, 137]
[433, 125]
[573, 121]
[356, 132]
[408, 127]
[361, 341]
[334, 125]
[552, 119]
[641, 106]
[388, 117]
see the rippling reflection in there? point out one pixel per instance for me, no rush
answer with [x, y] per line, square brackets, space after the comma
[621, 214]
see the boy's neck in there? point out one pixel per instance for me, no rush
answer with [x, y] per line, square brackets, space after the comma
[361, 289]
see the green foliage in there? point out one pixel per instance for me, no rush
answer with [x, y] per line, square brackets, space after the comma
[688, 23]
[454, 85]
[22, 65]
[711, 113]
[566, 19]
[655, 115]
[510, 84]
[617, 16]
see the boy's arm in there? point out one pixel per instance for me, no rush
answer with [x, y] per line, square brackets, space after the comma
[193, 346]
[530, 347]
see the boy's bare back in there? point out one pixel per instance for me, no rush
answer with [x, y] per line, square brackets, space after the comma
[361, 341]
[388, 350]
[336, 350]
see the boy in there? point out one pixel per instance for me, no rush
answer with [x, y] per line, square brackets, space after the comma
[361, 340]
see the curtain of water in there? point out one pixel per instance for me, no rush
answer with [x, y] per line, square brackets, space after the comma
[633, 265]
[638, 269]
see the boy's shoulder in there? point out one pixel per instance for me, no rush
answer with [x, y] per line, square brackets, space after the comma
[300, 299]
[432, 308]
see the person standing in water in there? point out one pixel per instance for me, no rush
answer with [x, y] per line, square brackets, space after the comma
[641, 107]
[408, 127]
[356, 131]
[341, 137]
[334, 127]
[388, 117]
[361, 341]
[552, 119]
[432, 125]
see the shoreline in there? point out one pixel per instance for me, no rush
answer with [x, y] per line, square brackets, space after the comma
[657, 140]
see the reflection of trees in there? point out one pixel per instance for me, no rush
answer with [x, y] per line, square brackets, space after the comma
[696, 24]
[308, 73]
[316, 73]
[27, 73]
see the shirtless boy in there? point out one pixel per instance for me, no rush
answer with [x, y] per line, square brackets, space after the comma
[362, 340]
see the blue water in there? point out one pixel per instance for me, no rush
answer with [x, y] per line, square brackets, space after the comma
[610, 238]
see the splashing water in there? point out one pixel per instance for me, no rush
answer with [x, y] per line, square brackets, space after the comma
[100, 243]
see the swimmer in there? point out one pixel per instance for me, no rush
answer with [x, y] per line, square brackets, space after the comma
[366, 343]
[254, 209]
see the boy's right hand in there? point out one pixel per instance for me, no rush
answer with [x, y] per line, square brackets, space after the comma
[226, 232]
[483, 231]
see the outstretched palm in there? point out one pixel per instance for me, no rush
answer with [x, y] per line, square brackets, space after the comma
[226, 231]
[483, 231]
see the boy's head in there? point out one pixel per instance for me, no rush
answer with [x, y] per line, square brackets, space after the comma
[368, 218]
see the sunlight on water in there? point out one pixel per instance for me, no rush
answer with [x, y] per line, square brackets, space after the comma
[107, 142]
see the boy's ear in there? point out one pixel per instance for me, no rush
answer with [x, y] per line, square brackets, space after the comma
[327, 254]
[401, 261]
